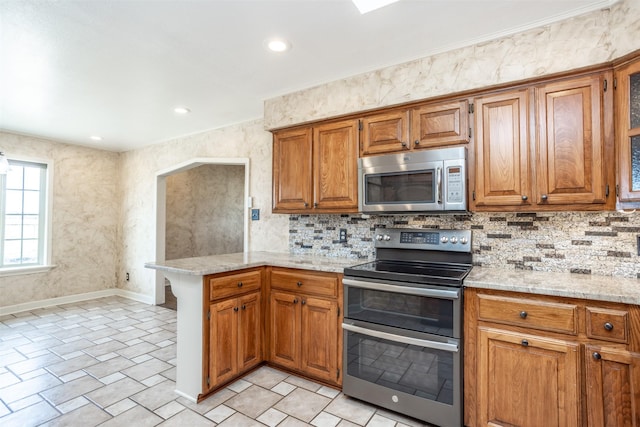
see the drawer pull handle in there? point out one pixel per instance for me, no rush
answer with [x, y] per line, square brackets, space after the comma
[523, 314]
[525, 343]
[239, 284]
[597, 356]
[608, 326]
[299, 284]
[235, 308]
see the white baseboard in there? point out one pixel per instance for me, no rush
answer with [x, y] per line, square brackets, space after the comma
[33, 305]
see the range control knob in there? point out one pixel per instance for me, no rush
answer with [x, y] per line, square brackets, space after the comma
[386, 237]
[454, 239]
[378, 237]
[444, 239]
[464, 240]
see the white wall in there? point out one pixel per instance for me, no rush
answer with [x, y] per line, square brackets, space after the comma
[84, 221]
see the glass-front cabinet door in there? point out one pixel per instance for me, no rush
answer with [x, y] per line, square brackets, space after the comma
[628, 131]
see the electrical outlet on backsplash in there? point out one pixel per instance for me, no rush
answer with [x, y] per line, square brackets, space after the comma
[602, 243]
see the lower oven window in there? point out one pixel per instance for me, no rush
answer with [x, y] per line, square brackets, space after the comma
[420, 371]
[417, 313]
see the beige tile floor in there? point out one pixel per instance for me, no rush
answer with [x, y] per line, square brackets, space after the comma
[111, 362]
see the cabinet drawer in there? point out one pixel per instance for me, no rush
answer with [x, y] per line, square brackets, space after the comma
[536, 314]
[607, 324]
[305, 282]
[226, 286]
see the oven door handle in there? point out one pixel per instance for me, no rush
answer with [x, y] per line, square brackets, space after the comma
[451, 348]
[435, 293]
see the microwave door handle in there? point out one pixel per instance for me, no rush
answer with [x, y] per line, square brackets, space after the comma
[439, 185]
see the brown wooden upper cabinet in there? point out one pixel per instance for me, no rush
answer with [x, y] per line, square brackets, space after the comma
[628, 131]
[426, 126]
[315, 168]
[545, 147]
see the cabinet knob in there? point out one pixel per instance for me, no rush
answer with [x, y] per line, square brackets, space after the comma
[525, 343]
[524, 198]
[404, 144]
[306, 205]
[235, 308]
[239, 284]
[303, 302]
[597, 356]
[315, 205]
[523, 314]
[295, 300]
[244, 307]
[299, 284]
[544, 197]
[608, 326]
[416, 142]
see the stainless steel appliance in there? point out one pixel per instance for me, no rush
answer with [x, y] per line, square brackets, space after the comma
[403, 324]
[421, 181]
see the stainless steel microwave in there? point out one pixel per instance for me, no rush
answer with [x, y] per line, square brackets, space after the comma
[422, 181]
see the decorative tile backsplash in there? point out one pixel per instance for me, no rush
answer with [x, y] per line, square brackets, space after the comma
[603, 243]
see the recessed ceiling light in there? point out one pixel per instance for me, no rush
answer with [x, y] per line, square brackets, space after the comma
[365, 6]
[181, 110]
[278, 45]
[95, 138]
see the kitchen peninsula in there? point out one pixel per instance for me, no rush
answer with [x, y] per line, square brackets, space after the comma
[187, 278]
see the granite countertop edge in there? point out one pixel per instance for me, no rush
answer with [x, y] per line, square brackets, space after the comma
[571, 285]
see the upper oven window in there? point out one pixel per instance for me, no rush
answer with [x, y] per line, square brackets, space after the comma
[400, 187]
[418, 313]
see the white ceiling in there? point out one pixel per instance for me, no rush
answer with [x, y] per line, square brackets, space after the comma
[72, 69]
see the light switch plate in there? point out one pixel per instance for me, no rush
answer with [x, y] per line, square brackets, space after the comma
[255, 214]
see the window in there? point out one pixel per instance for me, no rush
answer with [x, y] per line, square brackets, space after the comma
[24, 216]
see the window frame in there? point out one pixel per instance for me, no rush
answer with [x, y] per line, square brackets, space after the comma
[45, 247]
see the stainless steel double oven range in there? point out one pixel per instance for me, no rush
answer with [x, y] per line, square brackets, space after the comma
[403, 324]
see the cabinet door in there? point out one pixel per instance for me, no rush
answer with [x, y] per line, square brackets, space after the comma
[385, 133]
[613, 387]
[502, 150]
[526, 380]
[570, 142]
[223, 339]
[628, 130]
[249, 331]
[441, 124]
[319, 338]
[335, 173]
[284, 329]
[292, 165]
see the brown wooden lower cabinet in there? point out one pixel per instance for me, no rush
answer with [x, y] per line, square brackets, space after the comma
[613, 387]
[527, 380]
[304, 334]
[235, 337]
[287, 317]
[304, 323]
[522, 369]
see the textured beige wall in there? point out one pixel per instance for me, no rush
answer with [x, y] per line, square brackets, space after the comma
[589, 39]
[205, 211]
[138, 177]
[84, 221]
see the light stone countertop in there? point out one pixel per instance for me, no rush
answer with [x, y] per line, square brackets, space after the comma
[201, 266]
[585, 286]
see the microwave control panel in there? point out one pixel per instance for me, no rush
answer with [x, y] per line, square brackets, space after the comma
[455, 184]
